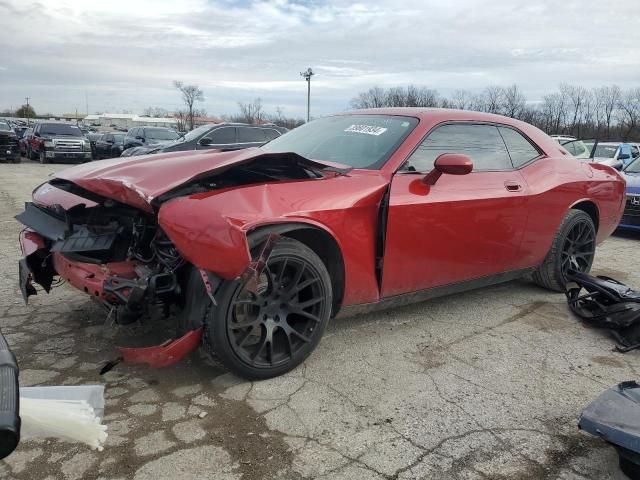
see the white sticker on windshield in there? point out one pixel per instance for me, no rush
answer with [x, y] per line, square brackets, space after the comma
[366, 129]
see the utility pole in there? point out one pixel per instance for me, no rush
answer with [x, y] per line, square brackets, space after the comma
[27, 111]
[86, 101]
[307, 74]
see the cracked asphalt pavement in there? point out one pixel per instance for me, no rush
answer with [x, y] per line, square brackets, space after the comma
[487, 384]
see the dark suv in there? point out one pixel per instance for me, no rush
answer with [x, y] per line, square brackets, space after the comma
[109, 145]
[221, 136]
[8, 143]
[149, 137]
[58, 142]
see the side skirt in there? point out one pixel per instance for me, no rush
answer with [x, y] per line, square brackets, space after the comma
[431, 293]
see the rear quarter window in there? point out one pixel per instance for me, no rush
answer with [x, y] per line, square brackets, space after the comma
[520, 149]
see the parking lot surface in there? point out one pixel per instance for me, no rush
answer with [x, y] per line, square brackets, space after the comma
[486, 384]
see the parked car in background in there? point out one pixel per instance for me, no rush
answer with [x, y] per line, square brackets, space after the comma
[86, 130]
[109, 145]
[9, 149]
[58, 142]
[149, 137]
[612, 153]
[221, 136]
[93, 137]
[260, 247]
[578, 148]
[24, 141]
[631, 215]
[19, 129]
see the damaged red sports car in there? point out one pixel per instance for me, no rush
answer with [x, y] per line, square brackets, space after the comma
[259, 248]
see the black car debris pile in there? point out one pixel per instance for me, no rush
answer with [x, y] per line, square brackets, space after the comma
[614, 416]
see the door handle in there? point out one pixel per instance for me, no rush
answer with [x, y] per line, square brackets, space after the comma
[512, 186]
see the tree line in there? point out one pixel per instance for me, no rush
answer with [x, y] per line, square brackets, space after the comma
[605, 113]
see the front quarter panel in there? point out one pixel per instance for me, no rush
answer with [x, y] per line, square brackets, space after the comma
[210, 229]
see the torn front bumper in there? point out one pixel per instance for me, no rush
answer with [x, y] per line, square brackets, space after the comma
[40, 265]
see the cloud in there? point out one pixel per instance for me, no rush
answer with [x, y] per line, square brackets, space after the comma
[125, 54]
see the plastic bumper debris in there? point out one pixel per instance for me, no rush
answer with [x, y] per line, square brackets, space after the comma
[615, 417]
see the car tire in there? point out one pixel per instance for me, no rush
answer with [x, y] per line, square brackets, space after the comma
[43, 158]
[268, 333]
[573, 248]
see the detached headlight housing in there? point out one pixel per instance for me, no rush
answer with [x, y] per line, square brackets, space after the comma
[49, 144]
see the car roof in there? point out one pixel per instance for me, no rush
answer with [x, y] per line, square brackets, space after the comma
[434, 116]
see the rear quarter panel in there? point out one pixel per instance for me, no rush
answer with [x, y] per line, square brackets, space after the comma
[557, 184]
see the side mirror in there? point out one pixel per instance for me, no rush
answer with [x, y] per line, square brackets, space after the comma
[451, 164]
[205, 142]
[110, 141]
[618, 166]
[36, 134]
[138, 137]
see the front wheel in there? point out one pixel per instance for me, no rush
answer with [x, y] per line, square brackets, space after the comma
[43, 157]
[268, 332]
[573, 248]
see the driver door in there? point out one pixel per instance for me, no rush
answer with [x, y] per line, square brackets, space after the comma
[462, 228]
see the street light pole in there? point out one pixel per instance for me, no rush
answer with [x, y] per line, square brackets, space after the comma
[27, 111]
[307, 74]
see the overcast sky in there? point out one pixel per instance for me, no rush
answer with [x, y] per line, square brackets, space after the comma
[125, 54]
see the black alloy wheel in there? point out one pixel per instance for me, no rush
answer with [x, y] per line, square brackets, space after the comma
[573, 248]
[579, 248]
[263, 333]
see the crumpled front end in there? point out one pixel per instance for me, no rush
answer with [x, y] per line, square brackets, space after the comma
[111, 251]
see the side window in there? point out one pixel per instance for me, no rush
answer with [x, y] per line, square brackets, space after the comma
[270, 133]
[635, 153]
[520, 149]
[251, 135]
[223, 136]
[108, 138]
[482, 143]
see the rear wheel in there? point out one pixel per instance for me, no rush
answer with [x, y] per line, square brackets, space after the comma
[573, 248]
[268, 332]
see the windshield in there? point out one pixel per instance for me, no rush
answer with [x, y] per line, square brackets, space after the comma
[577, 148]
[360, 141]
[160, 134]
[633, 167]
[60, 129]
[195, 133]
[606, 151]
[4, 126]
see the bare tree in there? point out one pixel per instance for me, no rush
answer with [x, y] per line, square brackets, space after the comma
[630, 108]
[190, 95]
[252, 112]
[156, 112]
[372, 98]
[461, 99]
[608, 98]
[575, 99]
[181, 117]
[513, 101]
[494, 98]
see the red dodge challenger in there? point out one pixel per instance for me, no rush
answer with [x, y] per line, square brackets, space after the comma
[259, 248]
